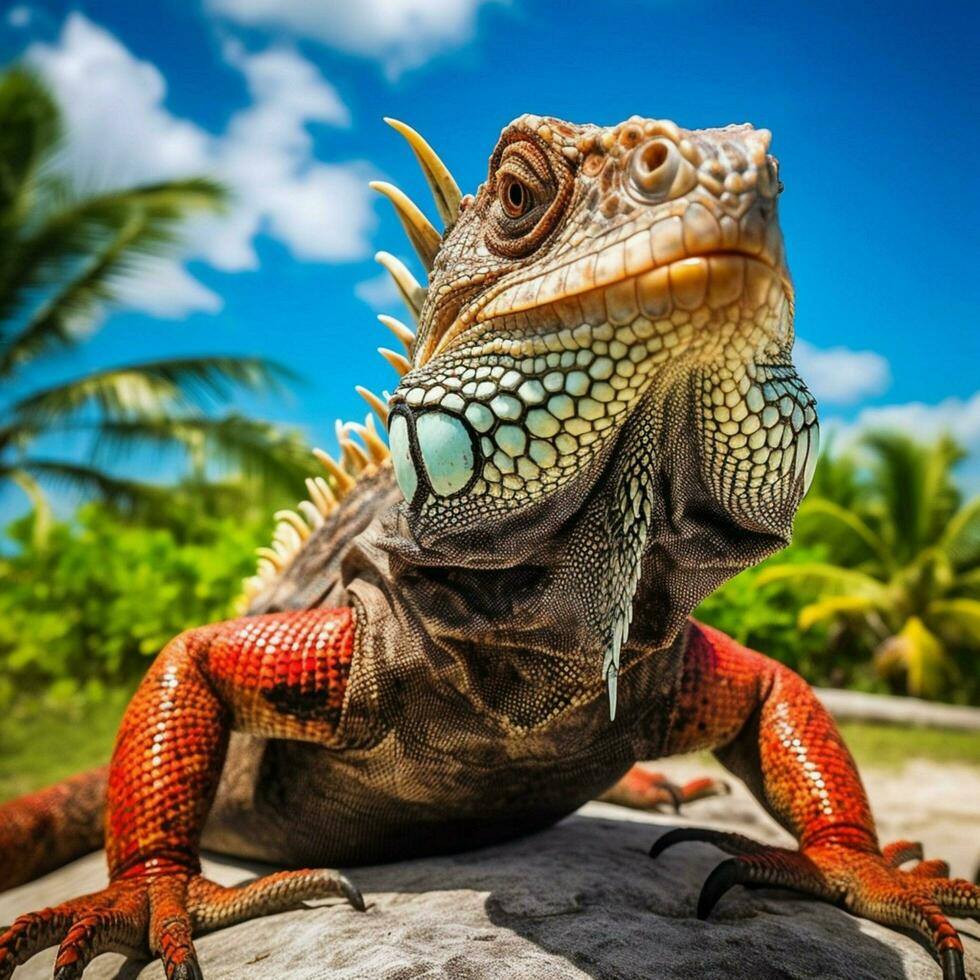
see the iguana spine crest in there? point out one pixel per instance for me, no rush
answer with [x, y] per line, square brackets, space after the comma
[295, 527]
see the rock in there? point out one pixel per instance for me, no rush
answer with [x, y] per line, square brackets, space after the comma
[579, 900]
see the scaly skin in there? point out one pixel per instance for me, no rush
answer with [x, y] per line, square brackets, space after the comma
[282, 676]
[598, 422]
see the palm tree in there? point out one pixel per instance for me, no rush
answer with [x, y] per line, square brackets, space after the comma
[62, 256]
[903, 571]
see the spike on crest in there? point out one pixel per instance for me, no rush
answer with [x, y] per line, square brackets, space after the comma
[405, 334]
[423, 237]
[377, 404]
[271, 556]
[444, 189]
[401, 364]
[321, 495]
[294, 520]
[409, 288]
[313, 516]
[286, 535]
[361, 459]
[349, 458]
[343, 481]
[369, 435]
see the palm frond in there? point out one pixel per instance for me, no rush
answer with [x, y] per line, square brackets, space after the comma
[90, 480]
[151, 388]
[39, 502]
[961, 537]
[962, 614]
[56, 323]
[918, 653]
[967, 582]
[260, 451]
[30, 130]
[833, 606]
[914, 482]
[852, 522]
[826, 576]
[58, 246]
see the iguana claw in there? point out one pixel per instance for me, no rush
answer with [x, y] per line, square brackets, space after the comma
[352, 893]
[952, 964]
[866, 883]
[158, 916]
[725, 876]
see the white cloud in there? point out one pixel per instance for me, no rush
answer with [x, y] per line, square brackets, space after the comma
[399, 33]
[121, 132]
[379, 292]
[326, 195]
[840, 375]
[164, 288]
[281, 78]
[958, 417]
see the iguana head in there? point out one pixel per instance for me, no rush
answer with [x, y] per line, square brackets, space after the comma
[595, 275]
[610, 315]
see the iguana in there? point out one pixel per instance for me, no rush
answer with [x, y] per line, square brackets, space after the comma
[597, 422]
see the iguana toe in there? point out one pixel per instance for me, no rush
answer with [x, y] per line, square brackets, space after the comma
[866, 883]
[641, 789]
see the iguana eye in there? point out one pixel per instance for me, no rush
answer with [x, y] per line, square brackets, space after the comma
[529, 189]
[515, 196]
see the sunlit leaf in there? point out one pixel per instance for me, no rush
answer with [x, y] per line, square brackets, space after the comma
[831, 607]
[919, 654]
[961, 614]
[825, 575]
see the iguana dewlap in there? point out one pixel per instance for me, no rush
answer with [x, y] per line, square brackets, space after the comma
[598, 421]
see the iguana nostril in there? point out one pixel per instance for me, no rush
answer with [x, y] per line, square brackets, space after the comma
[653, 156]
[654, 166]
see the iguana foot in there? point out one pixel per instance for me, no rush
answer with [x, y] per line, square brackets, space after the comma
[641, 789]
[865, 883]
[157, 917]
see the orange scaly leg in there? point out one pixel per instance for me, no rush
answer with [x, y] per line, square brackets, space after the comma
[768, 728]
[281, 676]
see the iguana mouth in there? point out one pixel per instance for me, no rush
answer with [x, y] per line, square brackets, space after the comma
[618, 280]
[714, 280]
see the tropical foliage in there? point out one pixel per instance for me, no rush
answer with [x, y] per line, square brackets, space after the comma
[899, 583]
[880, 589]
[63, 255]
[83, 614]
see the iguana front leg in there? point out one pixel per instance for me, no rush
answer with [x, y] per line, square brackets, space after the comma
[765, 724]
[281, 676]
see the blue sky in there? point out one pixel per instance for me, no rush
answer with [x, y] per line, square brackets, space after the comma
[873, 107]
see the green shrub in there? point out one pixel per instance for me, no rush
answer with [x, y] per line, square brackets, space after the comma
[766, 618]
[84, 612]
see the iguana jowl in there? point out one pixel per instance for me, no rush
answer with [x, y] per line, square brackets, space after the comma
[598, 422]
